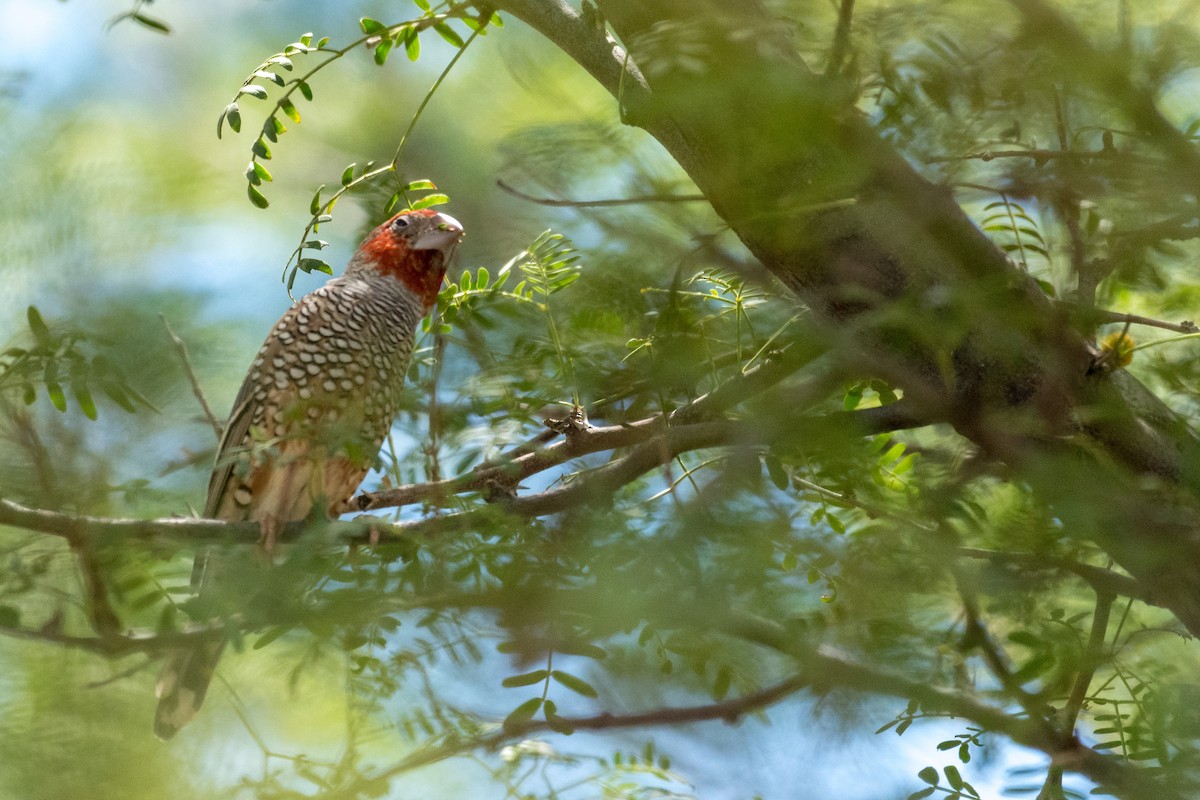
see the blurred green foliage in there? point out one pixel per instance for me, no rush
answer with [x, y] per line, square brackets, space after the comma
[909, 550]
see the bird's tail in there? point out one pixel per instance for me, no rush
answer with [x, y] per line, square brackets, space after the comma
[182, 683]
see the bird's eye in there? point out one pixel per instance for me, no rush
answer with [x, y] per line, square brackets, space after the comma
[400, 222]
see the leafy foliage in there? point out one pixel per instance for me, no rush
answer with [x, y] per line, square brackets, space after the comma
[52, 359]
[731, 530]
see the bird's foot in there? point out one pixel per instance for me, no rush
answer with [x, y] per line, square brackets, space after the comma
[268, 533]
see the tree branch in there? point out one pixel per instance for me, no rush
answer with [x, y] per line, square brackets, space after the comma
[653, 447]
[828, 668]
[526, 462]
[186, 362]
[841, 39]
[622, 201]
[109, 643]
[728, 710]
[1103, 316]
[1103, 581]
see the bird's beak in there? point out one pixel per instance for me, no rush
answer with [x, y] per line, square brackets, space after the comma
[444, 235]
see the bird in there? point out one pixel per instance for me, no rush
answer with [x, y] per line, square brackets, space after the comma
[314, 409]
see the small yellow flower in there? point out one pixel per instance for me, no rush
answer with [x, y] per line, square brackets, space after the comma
[1117, 349]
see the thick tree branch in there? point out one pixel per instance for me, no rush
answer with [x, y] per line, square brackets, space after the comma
[1103, 581]
[1014, 376]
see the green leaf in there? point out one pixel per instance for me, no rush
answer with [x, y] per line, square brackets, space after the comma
[423, 5]
[314, 205]
[57, 396]
[118, 396]
[260, 148]
[585, 649]
[315, 265]
[929, 775]
[273, 128]
[391, 203]
[348, 174]
[527, 679]
[323, 41]
[575, 684]
[306, 39]
[382, 49]
[852, 397]
[431, 200]
[522, 713]
[419, 186]
[557, 723]
[953, 777]
[1026, 638]
[232, 115]
[254, 91]
[10, 617]
[151, 22]
[257, 197]
[922, 793]
[305, 90]
[270, 76]
[721, 684]
[37, 325]
[370, 26]
[283, 61]
[271, 635]
[775, 470]
[412, 44]
[287, 107]
[84, 398]
[448, 33]
[260, 172]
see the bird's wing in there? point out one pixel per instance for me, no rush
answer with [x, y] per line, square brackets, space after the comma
[237, 430]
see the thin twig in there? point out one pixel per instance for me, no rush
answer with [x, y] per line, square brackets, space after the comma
[123, 674]
[1040, 155]
[841, 39]
[1052, 789]
[182, 351]
[978, 636]
[113, 645]
[728, 710]
[101, 615]
[1104, 316]
[623, 201]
